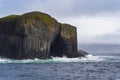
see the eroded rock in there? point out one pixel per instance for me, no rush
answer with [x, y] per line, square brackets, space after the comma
[36, 35]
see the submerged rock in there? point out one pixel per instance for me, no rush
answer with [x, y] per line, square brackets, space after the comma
[36, 35]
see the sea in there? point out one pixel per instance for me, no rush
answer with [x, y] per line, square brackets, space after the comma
[91, 67]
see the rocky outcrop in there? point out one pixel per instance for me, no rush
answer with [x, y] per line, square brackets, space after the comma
[36, 35]
[82, 53]
[66, 42]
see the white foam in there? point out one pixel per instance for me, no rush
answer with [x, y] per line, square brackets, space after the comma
[3, 60]
[88, 58]
[65, 59]
[92, 58]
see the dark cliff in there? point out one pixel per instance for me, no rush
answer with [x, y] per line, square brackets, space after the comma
[36, 35]
[66, 42]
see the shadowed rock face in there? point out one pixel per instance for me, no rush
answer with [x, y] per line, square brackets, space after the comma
[66, 42]
[36, 35]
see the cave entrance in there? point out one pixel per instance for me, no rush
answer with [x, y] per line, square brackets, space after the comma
[58, 47]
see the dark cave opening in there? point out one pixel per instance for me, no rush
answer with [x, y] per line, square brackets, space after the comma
[58, 47]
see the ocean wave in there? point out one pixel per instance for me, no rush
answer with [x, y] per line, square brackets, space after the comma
[88, 58]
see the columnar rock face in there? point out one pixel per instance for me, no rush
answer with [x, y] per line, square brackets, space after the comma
[36, 35]
[66, 42]
[39, 31]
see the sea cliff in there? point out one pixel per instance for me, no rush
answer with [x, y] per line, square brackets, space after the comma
[36, 35]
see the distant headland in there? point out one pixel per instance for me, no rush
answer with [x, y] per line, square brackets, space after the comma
[37, 35]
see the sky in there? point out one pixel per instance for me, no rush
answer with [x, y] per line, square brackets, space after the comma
[97, 21]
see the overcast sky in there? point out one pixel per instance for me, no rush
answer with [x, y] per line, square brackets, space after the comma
[97, 21]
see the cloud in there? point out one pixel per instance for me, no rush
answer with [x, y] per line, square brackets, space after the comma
[112, 37]
[57, 8]
[91, 28]
[97, 21]
[9, 7]
[98, 6]
[75, 7]
[1, 4]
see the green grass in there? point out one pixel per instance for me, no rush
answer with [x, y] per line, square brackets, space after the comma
[68, 31]
[44, 18]
[10, 17]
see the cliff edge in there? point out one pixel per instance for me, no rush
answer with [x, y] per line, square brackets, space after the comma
[36, 35]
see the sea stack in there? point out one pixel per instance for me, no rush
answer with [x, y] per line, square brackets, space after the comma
[36, 35]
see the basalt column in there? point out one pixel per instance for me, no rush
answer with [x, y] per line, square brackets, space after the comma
[66, 42]
[40, 30]
[36, 35]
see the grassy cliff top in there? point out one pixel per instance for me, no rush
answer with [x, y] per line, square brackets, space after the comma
[31, 18]
[68, 27]
[37, 15]
[10, 17]
[45, 18]
[68, 31]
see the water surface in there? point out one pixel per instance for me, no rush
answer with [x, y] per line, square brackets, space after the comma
[89, 68]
